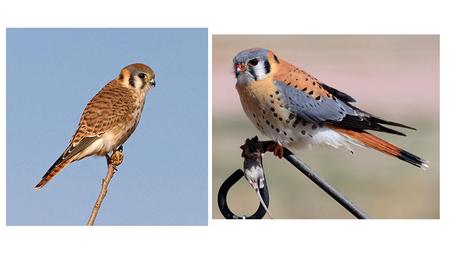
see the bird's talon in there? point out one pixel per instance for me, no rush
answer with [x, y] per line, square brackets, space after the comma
[116, 157]
[277, 150]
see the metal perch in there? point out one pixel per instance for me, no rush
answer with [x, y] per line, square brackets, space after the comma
[257, 148]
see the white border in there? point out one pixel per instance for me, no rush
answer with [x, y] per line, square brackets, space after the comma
[238, 17]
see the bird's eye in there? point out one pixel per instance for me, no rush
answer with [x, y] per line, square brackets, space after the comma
[253, 62]
[141, 75]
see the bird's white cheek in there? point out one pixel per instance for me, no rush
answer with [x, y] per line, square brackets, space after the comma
[260, 72]
[138, 84]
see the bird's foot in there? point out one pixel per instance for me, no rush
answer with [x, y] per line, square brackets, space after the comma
[277, 149]
[117, 157]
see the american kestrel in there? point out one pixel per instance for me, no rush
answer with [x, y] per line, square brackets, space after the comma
[108, 119]
[295, 109]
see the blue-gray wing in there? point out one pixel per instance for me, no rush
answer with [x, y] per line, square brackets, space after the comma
[322, 109]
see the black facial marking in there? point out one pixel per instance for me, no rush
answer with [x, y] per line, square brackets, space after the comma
[141, 76]
[252, 72]
[121, 77]
[276, 58]
[131, 81]
[267, 66]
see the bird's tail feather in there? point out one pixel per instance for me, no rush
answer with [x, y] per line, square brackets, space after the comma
[53, 171]
[379, 144]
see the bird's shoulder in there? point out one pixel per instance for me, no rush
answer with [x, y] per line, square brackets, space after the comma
[106, 108]
[296, 78]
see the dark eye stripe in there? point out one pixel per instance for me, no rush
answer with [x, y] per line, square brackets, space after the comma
[252, 72]
[141, 75]
[267, 66]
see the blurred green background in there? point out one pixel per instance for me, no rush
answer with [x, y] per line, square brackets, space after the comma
[395, 77]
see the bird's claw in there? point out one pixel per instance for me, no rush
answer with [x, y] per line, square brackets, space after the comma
[116, 157]
[277, 150]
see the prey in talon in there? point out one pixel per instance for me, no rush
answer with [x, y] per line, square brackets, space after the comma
[253, 168]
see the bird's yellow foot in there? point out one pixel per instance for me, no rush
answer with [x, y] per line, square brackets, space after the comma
[277, 149]
[116, 157]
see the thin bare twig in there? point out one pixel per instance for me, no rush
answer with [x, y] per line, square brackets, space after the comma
[113, 161]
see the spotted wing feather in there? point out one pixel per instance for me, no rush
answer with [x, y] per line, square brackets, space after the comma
[333, 109]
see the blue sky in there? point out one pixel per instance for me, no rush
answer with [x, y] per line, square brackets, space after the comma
[53, 73]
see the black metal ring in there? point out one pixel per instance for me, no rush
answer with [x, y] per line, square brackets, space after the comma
[223, 192]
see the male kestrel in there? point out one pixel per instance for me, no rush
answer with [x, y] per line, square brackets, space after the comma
[108, 119]
[295, 109]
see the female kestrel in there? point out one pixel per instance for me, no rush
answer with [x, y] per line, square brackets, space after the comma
[108, 119]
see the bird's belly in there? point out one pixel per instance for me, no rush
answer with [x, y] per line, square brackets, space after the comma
[116, 137]
[110, 140]
[272, 117]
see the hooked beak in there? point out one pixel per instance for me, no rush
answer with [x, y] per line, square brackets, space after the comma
[153, 82]
[239, 68]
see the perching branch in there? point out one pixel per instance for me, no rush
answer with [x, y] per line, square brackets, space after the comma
[113, 161]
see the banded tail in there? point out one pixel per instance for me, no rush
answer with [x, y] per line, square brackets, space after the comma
[379, 144]
[53, 171]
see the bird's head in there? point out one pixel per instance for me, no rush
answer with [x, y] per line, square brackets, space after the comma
[254, 64]
[137, 76]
